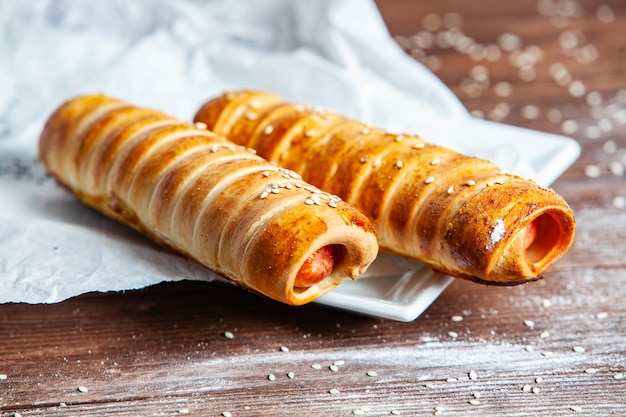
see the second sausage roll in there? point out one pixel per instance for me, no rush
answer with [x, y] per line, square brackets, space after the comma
[204, 197]
[457, 214]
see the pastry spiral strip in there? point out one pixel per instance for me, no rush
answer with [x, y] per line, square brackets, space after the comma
[206, 198]
[457, 214]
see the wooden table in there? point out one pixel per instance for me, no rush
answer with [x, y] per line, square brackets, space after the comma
[553, 347]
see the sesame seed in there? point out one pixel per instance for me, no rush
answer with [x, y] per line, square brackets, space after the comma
[469, 183]
[453, 335]
[271, 377]
[577, 88]
[3, 377]
[530, 112]
[546, 303]
[310, 133]
[226, 414]
[602, 315]
[395, 412]
[535, 390]
[472, 375]
[452, 380]
[509, 41]
[309, 202]
[201, 125]
[371, 373]
[435, 161]
[619, 202]
[616, 168]
[399, 138]
[474, 401]
[264, 195]
[275, 190]
[529, 348]
[456, 319]
[419, 145]
[332, 204]
[291, 375]
[364, 159]
[591, 371]
[251, 116]
[578, 349]
[376, 162]
[214, 148]
[529, 323]
[476, 394]
[503, 89]
[545, 334]
[576, 408]
[398, 164]
[593, 171]
[539, 380]
[255, 104]
[555, 115]
[358, 412]
[333, 368]
[429, 180]
[316, 366]
[334, 391]
[365, 131]
[605, 14]
[268, 130]
[82, 389]
[618, 376]
[594, 99]
[593, 132]
[527, 388]
[183, 411]
[450, 189]
[284, 349]
[229, 335]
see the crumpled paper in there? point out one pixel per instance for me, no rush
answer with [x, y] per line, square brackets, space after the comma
[173, 56]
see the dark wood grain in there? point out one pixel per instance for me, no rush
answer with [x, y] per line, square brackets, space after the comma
[163, 350]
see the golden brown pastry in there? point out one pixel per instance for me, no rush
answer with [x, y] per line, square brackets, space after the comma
[458, 214]
[200, 195]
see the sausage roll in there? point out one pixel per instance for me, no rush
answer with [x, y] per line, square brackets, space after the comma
[457, 214]
[206, 198]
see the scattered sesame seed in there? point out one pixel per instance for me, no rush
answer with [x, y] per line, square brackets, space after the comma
[530, 112]
[618, 376]
[452, 379]
[593, 132]
[309, 202]
[334, 391]
[399, 138]
[435, 161]
[291, 375]
[364, 159]
[419, 145]
[509, 42]
[576, 408]
[474, 401]
[316, 366]
[472, 375]
[555, 115]
[271, 377]
[268, 130]
[545, 334]
[429, 180]
[619, 202]
[503, 89]
[450, 189]
[605, 14]
[332, 204]
[569, 126]
[456, 319]
[183, 411]
[529, 348]
[476, 394]
[82, 389]
[546, 303]
[527, 388]
[263, 196]
[284, 349]
[395, 412]
[594, 98]
[226, 414]
[3, 377]
[201, 125]
[365, 131]
[593, 171]
[251, 116]
[398, 164]
[255, 104]
[229, 335]
[333, 368]
[591, 371]
[535, 390]
[453, 335]
[529, 323]
[371, 373]
[469, 183]
[616, 168]
[358, 412]
[577, 88]
[609, 147]
[602, 315]
[214, 148]
[310, 133]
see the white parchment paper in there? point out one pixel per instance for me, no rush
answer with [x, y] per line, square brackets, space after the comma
[173, 56]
